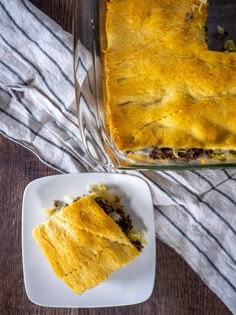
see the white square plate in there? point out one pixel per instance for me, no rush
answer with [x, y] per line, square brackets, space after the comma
[129, 285]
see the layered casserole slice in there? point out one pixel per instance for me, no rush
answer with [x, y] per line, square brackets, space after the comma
[166, 92]
[83, 244]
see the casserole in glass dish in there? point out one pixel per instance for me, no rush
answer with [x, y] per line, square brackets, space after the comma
[156, 82]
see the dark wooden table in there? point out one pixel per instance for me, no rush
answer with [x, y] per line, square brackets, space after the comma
[178, 290]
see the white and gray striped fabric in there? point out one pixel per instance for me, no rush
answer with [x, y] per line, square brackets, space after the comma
[195, 211]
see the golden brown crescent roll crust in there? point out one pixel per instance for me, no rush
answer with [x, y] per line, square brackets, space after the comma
[83, 245]
[163, 86]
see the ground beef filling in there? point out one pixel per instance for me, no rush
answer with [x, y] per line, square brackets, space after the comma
[123, 220]
[185, 154]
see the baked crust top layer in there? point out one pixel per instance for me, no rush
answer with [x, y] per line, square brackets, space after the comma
[163, 86]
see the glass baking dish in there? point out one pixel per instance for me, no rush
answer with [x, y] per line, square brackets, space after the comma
[90, 41]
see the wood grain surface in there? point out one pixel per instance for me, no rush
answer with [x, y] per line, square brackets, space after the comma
[178, 290]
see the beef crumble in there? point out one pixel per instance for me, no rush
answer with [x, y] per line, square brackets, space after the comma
[123, 220]
[162, 154]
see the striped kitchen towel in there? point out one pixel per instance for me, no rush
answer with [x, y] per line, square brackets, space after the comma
[195, 211]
